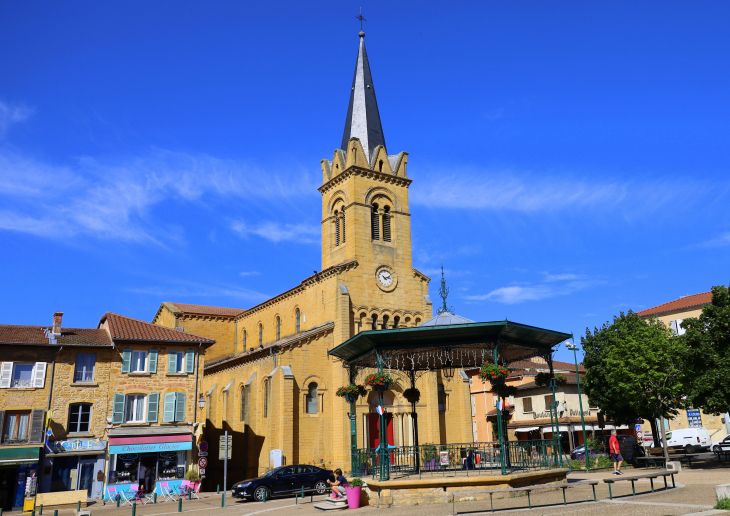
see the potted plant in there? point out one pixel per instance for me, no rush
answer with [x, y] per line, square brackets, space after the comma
[351, 392]
[429, 456]
[493, 373]
[412, 394]
[543, 379]
[378, 381]
[352, 491]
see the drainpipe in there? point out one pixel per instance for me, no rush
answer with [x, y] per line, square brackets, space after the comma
[53, 370]
[195, 401]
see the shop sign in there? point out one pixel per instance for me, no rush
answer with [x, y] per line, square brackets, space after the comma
[74, 445]
[149, 447]
[444, 458]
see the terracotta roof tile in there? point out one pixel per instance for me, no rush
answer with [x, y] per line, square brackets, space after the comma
[17, 334]
[557, 365]
[126, 328]
[679, 304]
[207, 310]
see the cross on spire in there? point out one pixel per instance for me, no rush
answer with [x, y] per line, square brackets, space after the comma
[361, 18]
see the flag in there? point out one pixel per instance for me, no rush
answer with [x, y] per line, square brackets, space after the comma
[381, 410]
[500, 405]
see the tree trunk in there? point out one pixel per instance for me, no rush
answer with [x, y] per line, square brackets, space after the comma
[664, 441]
[654, 432]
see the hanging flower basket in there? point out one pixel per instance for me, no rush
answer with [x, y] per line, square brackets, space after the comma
[505, 391]
[493, 373]
[412, 394]
[351, 392]
[543, 379]
[378, 381]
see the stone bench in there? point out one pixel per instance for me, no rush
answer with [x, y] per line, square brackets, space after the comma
[634, 478]
[528, 490]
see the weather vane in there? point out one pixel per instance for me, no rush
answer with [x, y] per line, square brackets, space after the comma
[361, 18]
[444, 293]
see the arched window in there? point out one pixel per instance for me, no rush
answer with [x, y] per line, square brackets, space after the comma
[385, 322]
[337, 228]
[298, 317]
[343, 225]
[244, 340]
[375, 223]
[267, 388]
[278, 328]
[243, 404]
[442, 398]
[380, 166]
[312, 399]
[375, 321]
[261, 335]
[386, 224]
[396, 321]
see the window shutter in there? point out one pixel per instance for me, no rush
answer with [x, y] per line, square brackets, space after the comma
[168, 416]
[153, 406]
[172, 362]
[37, 419]
[180, 406]
[2, 422]
[39, 375]
[153, 361]
[126, 360]
[118, 414]
[6, 374]
[190, 360]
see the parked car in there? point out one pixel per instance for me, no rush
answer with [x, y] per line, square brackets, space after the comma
[627, 444]
[285, 480]
[724, 442]
[690, 440]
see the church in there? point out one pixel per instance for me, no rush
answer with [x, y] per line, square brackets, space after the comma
[268, 380]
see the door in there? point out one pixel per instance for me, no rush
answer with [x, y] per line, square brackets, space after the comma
[8, 485]
[86, 476]
[303, 477]
[374, 429]
[284, 481]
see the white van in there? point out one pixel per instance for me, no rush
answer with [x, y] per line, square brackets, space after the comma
[690, 440]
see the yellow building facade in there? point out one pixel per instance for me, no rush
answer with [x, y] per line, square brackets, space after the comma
[271, 384]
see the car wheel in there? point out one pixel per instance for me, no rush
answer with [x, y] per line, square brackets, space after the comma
[716, 449]
[320, 487]
[260, 492]
[689, 448]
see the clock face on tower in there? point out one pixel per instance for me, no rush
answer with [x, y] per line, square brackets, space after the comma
[386, 278]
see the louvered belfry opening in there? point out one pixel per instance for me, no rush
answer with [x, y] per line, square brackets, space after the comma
[386, 224]
[337, 228]
[375, 223]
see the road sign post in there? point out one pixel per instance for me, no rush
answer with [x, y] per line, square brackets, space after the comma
[227, 451]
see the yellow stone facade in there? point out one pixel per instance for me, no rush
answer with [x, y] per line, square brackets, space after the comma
[259, 392]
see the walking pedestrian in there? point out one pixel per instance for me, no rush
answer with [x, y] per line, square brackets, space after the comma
[615, 453]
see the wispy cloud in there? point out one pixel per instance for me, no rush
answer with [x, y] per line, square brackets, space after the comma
[552, 286]
[249, 273]
[112, 198]
[191, 292]
[11, 114]
[526, 192]
[277, 232]
[721, 241]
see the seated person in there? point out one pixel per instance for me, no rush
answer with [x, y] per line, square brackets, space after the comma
[338, 486]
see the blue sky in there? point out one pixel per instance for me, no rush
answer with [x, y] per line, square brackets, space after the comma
[569, 159]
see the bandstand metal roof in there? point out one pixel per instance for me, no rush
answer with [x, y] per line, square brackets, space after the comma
[464, 345]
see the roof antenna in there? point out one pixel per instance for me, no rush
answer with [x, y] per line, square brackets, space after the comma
[444, 293]
[361, 20]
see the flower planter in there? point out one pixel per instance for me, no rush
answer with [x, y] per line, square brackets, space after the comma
[430, 465]
[351, 397]
[353, 496]
[381, 388]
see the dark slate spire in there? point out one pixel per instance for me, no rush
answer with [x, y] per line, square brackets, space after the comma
[363, 118]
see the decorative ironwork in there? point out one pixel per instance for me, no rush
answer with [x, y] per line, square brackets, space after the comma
[444, 293]
[360, 17]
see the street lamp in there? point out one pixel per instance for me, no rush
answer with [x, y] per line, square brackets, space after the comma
[201, 402]
[448, 369]
[574, 349]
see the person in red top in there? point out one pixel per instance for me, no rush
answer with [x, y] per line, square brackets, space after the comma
[615, 453]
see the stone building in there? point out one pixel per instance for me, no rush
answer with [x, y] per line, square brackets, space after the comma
[271, 384]
[672, 313]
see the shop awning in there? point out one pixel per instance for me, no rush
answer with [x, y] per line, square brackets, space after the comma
[527, 429]
[19, 454]
[119, 432]
[579, 427]
[562, 428]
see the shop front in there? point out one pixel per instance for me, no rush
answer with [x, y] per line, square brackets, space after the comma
[149, 461]
[75, 464]
[18, 475]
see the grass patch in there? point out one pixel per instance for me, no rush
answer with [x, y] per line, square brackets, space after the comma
[723, 504]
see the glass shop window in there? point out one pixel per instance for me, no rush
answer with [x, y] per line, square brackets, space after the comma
[126, 469]
[171, 465]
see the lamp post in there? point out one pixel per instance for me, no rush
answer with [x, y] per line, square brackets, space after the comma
[574, 349]
[201, 402]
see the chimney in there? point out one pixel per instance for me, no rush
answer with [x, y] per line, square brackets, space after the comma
[57, 316]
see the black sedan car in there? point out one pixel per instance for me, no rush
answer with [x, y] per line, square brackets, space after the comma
[285, 480]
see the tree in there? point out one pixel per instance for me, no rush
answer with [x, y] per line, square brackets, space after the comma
[634, 368]
[708, 354]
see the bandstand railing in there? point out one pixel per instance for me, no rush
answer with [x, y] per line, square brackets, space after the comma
[452, 459]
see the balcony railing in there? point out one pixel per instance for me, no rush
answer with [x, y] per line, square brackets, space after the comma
[456, 459]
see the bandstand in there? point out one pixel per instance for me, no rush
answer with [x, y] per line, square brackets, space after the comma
[450, 343]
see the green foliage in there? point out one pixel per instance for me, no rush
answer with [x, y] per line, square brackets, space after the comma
[634, 369]
[351, 389]
[723, 504]
[505, 391]
[493, 372]
[708, 354]
[378, 379]
[412, 394]
[192, 475]
[595, 445]
[357, 481]
[543, 379]
[597, 461]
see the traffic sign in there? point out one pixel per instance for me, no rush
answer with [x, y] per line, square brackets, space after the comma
[222, 447]
[202, 472]
[203, 446]
[202, 462]
[202, 454]
[638, 428]
[639, 435]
